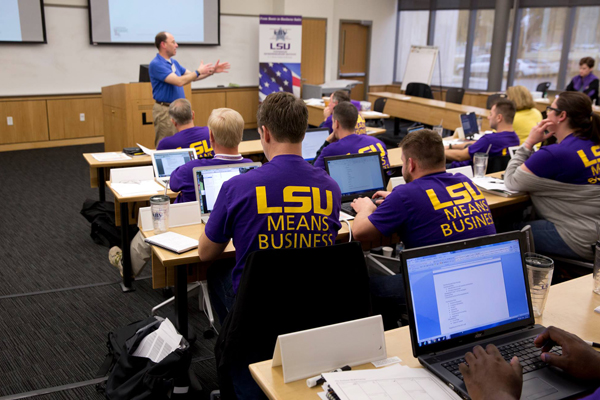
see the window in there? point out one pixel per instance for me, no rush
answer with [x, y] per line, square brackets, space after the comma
[451, 28]
[585, 41]
[482, 49]
[412, 31]
[511, 22]
[540, 45]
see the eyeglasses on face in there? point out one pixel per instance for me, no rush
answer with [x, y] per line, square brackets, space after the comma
[556, 110]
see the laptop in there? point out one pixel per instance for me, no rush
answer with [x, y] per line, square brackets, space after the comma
[167, 161]
[358, 175]
[208, 182]
[476, 292]
[469, 125]
[313, 140]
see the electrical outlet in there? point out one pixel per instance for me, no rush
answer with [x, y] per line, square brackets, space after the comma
[82, 117]
[9, 120]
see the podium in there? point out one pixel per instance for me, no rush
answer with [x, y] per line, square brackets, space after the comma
[127, 115]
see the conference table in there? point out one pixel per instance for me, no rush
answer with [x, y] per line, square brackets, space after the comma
[427, 111]
[570, 306]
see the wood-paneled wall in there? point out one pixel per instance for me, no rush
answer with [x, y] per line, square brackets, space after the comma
[244, 100]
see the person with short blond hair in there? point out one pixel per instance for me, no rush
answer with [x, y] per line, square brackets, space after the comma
[527, 116]
[227, 126]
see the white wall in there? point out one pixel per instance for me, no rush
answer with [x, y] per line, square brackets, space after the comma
[69, 64]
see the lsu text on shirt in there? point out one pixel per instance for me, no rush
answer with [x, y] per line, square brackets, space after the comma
[196, 138]
[354, 144]
[286, 203]
[574, 160]
[433, 209]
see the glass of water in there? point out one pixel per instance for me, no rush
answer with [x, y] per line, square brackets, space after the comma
[480, 162]
[539, 272]
[439, 130]
[159, 206]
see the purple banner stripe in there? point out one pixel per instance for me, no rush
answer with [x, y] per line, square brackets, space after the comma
[280, 19]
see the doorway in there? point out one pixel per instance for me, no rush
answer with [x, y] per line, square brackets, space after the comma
[354, 55]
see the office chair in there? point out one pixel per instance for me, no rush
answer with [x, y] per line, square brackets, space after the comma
[379, 106]
[492, 99]
[543, 87]
[455, 95]
[419, 90]
[289, 290]
[497, 163]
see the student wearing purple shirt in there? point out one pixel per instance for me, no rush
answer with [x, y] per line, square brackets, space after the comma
[337, 97]
[578, 360]
[188, 135]
[586, 82]
[563, 179]
[343, 140]
[433, 207]
[226, 128]
[501, 119]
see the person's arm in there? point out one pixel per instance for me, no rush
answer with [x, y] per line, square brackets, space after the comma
[209, 250]
[457, 155]
[318, 160]
[363, 229]
[570, 86]
[203, 71]
[592, 90]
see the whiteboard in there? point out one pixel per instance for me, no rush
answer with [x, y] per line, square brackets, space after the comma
[69, 64]
[420, 64]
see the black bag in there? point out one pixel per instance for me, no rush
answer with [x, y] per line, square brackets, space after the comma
[102, 217]
[139, 378]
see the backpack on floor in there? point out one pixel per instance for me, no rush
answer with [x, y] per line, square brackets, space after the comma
[101, 214]
[138, 378]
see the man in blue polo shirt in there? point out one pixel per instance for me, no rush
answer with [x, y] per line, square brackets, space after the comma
[168, 78]
[433, 207]
[188, 135]
[344, 140]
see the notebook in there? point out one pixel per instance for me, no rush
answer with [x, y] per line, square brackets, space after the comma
[173, 241]
[313, 140]
[208, 182]
[476, 292]
[167, 161]
[358, 175]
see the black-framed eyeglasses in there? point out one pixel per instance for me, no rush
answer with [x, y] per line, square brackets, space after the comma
[556, 110]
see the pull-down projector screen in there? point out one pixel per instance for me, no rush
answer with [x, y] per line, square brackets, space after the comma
[22, 21]
[138, 21]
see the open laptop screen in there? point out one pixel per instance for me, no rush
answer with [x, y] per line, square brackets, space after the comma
[210, 180]
[469, 124]
[356, 173]
[462, 292]
[313, 140]
[169, 161]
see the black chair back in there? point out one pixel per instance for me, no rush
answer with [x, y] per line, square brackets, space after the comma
[290, 290]
[419, 90]
[455, 95]
[497, 163]
[492, 99]
[543, 87]
[379, 104]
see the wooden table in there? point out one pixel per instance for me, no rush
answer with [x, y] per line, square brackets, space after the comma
[315, 115]
[570, 306]
[427, 111]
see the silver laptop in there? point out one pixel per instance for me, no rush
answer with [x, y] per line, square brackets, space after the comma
[313, 140]
[476, 292]
[208, 182]
[167, 161]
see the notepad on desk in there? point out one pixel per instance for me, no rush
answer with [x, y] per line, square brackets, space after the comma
[495, 186]
[173, 242]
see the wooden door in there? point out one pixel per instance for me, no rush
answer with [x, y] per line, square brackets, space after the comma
[314, 35]
[354, 56]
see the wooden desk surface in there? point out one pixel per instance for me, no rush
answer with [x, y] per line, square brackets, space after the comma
[95, 164]
[570, 306]
[139, 197]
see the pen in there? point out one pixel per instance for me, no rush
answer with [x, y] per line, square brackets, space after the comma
[593, 344]
[319, 380]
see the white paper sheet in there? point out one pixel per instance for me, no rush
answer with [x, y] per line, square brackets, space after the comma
[160, 343]
[110, 156]
[146, 150]
[137, 188]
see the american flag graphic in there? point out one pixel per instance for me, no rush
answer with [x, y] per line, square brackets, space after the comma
[278, 77]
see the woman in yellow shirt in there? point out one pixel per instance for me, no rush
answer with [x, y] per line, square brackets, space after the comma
[527, 115]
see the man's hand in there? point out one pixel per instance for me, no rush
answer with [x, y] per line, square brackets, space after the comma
[578, 359]
[326, 112]
[331, 138]
[489, 376]
[221, 67]
[363, 204]
[205, 69]
[381, 195]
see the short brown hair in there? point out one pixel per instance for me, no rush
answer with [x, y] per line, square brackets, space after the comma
[426, 148]
[506, 108]
[339, 95]
[180, 111]
[346, 114]
[589, 61]
[159, 38]
[285, 116]
[521, 96]
[227, 126]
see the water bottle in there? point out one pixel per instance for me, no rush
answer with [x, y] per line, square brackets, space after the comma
[399, 249]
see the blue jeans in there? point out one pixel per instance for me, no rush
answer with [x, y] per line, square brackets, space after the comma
[220, 288]
[548, 241]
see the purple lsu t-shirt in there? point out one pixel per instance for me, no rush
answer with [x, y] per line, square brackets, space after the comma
[354, 144]
[196, 138]
[286, 203]
[500, 142]
[574, 160]
[433, 209]
[182, 179]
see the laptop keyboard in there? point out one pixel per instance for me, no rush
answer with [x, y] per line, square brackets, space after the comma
[347, 207]
[529, 356]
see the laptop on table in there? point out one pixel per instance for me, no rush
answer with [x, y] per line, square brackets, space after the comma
[208, 182]
[468, 122]
[313, 140]
[165, 162]
[358, 175]
[476, 292]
